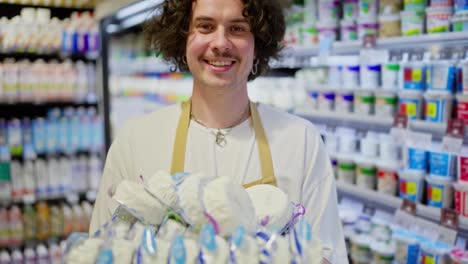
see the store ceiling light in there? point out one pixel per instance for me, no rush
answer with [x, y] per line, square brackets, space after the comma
[136, 8]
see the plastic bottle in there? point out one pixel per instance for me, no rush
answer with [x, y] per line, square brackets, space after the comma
[65, 175]
[14, 133]
[15, 221]
[39, 135]
[78, 219]
[29, 181]
[55, 253]
[68, 224]
[42, 182]
[42, 254]
[30, 256]
[29, 222]
[43, 220]
[5, 257]
[52, 130]
[56, 221]
[17, 187]
[53, 188]
[17, 257]
[5, 174]
[4, 228]
[94, 172]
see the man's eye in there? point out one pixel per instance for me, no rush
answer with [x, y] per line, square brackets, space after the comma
[238, 28]
[205, 27]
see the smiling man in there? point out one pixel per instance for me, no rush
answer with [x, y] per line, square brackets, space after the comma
[219, 132]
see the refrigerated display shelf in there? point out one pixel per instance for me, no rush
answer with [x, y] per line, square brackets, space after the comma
[374, 199]
[448, 39]
[19, 110]
[369, 122]
[10, 9]
[70, 197]
[32, 56]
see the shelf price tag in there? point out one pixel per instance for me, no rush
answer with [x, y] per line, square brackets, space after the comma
[453, 138]
[369, 41]
[398, 132]
[408, 206]
[449, 226]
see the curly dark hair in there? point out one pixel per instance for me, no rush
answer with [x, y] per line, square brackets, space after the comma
[165, 33]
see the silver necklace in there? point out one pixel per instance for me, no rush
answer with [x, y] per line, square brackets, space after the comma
[220, 136]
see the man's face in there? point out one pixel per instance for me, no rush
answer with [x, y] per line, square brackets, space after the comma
[220, 45]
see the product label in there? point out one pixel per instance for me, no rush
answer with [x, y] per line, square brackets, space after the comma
[409, 190]
[461, 203]
[441, 164]
[428, 258]
[463, 168]
[409, 108]
[434, 194]
[417, 159]
[431, 109]
[413, 79]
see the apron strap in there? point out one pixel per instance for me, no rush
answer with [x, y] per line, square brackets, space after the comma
[180, 144]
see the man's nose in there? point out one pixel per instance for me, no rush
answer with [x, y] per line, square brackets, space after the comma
[221, 41]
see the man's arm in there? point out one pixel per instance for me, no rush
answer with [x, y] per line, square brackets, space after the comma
[319, 197]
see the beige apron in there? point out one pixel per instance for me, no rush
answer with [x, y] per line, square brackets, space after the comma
[180, 144]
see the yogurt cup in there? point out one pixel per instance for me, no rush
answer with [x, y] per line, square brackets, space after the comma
[414, 76]
[348, 30]
[389, 26]
[438, 19]
[462, 107]
[370, 76]
[388, 150]
[460, 21]
[412, 22]
[360, 248]
[461, 198]
[364, 102]
[347, 143]
[416, 158]
[367, 25]
[329, 10]
[380, 230]
[407, 247]
[410, 104]
[382, 253]
[461, 5]
[434, 252]
[415, 5]
[309, 34]
[442, 164]
[327, 29]
[366, 173]
[326, 100]
[459, 256]
[387, 7]
[439, 192]
[411, 185]
[351, 76]
[385, 103]
[390, 76]
[387, 177]
[438, 106]
[369, 145]
[368, 8]
[350, 9]
[344, 101]
[440, 76]
[346, 169]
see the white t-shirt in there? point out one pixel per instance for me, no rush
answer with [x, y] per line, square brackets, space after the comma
[300, 162]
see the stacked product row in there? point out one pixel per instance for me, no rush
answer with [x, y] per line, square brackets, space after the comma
[41, 222]
[55, 3]
[347, 20]
[67, 131]
[34, 31]
[39, 81]
[378, 240]
[48, 178]
[418, 170]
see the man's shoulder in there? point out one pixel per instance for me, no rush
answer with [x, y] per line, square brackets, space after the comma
[158, 117]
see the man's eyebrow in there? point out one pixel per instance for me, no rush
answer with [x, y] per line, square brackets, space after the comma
[235, 20]
[240, 20]
[204, 18]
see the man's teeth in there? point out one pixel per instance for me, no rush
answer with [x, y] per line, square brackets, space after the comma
[220, 63]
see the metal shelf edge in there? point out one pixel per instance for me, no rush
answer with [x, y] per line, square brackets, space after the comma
[394, 202]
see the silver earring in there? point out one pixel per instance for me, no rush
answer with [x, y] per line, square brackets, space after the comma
[255, 66]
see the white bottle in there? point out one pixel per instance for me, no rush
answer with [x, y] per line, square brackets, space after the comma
[5, 174]
[65, 173]
[55, 254]
[17, 180]
[29, 181]
[17, 257]
[53, 176]
[42, 254]
[42, 182]
[5, 257]
[94, 171]
[29, 256]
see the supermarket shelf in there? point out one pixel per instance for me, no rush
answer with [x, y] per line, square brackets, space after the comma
[373, 122]
[70, 197]
[375, 199]
[18, 110]
[10, 10]
[48, 56]
[448, 39]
